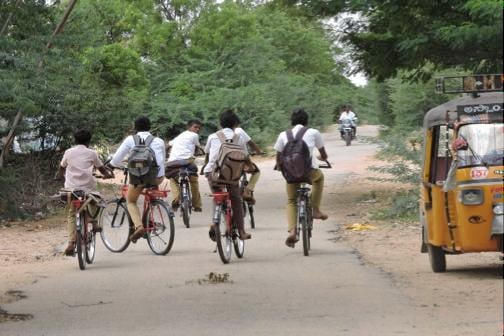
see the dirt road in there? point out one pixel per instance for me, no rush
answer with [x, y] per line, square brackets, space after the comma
[274, 290]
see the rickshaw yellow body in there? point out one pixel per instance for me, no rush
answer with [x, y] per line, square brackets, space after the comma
[447, 222]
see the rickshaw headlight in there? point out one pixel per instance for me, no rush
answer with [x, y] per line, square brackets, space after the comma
[498, 209]
[471, 196]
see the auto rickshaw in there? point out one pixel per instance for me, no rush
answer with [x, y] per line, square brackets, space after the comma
[461, 201]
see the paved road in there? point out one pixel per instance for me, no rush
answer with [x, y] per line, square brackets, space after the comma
[274, 290]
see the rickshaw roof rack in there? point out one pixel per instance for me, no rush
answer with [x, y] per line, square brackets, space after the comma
[470, 84]
[448, 113]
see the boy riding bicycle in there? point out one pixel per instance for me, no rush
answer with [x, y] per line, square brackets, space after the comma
[313, 139]
[77, 169]
[154, 174]
[228, 121]
[182, 154]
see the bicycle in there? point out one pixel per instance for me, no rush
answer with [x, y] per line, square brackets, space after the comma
[85, 244]
[304, 223]
[185, 195]
[226, 232]
[157, 218]
[248, 208]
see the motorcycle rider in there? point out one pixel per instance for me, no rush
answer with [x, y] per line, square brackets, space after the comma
[348, 114]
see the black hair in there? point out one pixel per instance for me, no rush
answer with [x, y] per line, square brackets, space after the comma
[142, 124]
[82, 137]
[229, 119]
[193, 122]
[299, 116]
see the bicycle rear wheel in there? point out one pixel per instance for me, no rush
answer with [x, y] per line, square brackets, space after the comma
[306, 236]
[160, 228]
[81, 242]
[116, 226]
[224, 241]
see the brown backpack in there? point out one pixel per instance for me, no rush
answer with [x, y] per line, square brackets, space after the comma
[230, 162]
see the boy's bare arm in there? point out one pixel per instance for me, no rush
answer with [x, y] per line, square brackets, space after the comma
[60, 173]
[323, 154]
[106, 172]
[254, 147]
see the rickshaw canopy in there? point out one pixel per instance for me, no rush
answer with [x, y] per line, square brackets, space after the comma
[447, 113]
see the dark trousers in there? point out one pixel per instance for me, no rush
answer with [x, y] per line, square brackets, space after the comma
[236, 202]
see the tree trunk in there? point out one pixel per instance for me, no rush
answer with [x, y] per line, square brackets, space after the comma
[17, 119]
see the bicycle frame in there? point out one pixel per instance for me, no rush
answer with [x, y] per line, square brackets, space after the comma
[151, 194]
[223, 203]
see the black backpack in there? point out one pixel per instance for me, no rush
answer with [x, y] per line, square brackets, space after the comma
[142, 165]
[296, 162]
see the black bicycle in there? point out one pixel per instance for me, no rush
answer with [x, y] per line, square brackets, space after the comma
[185, 195]
[304, 223]
[248, 208]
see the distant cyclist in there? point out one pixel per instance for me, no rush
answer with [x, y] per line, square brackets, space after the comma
[250, 167]
[182, 154]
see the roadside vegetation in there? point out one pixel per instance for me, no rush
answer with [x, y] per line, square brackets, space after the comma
[114, 60]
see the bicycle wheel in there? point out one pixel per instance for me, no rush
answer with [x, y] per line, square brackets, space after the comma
[160, 228]
[186, 206]
[116, 227]
[250, 216]
[239, 246]
[306, 235]
[91, 243]
[224, 241]
[81, 243]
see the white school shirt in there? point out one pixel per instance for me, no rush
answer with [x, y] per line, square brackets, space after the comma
[312, 137]
[347, 115]
[241, 132]
[183, 146]
[213, 145]
[157, 146]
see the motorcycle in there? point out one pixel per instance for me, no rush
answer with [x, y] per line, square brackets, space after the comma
[347, 130]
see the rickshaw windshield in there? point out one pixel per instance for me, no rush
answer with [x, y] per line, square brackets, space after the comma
[486, 145]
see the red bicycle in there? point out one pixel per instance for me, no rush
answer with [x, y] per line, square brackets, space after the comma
[226, 232]
[157, 218]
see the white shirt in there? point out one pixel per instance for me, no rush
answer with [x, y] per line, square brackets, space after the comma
[213, 145]
[183, 146]
[347, 115]
[241, 132]
[312, 137]
[79, 162]
[157, 146]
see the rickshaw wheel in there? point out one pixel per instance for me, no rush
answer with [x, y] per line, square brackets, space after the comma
[437, 258]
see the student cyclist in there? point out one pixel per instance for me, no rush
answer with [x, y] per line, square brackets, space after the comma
[313, 139]
[142, 127]
[228, 121]
[77, 168]
[182, 154]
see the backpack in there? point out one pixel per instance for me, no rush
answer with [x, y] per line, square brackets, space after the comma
[142, 165]
[296, 162]
[230, 161]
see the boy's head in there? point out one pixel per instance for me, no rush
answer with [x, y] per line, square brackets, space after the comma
[299, 117]
[82, 137]
[194, 125]
[229, 119]
[142, 124]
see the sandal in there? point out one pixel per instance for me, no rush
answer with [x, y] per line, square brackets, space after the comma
[291, 241]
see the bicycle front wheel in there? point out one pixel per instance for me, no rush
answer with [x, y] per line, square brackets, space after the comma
[90, 243]
[160, 228]
[116, 227]
[81, 243]
[224, 241]
[186, 206]
[239, 247]
[250, 216]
